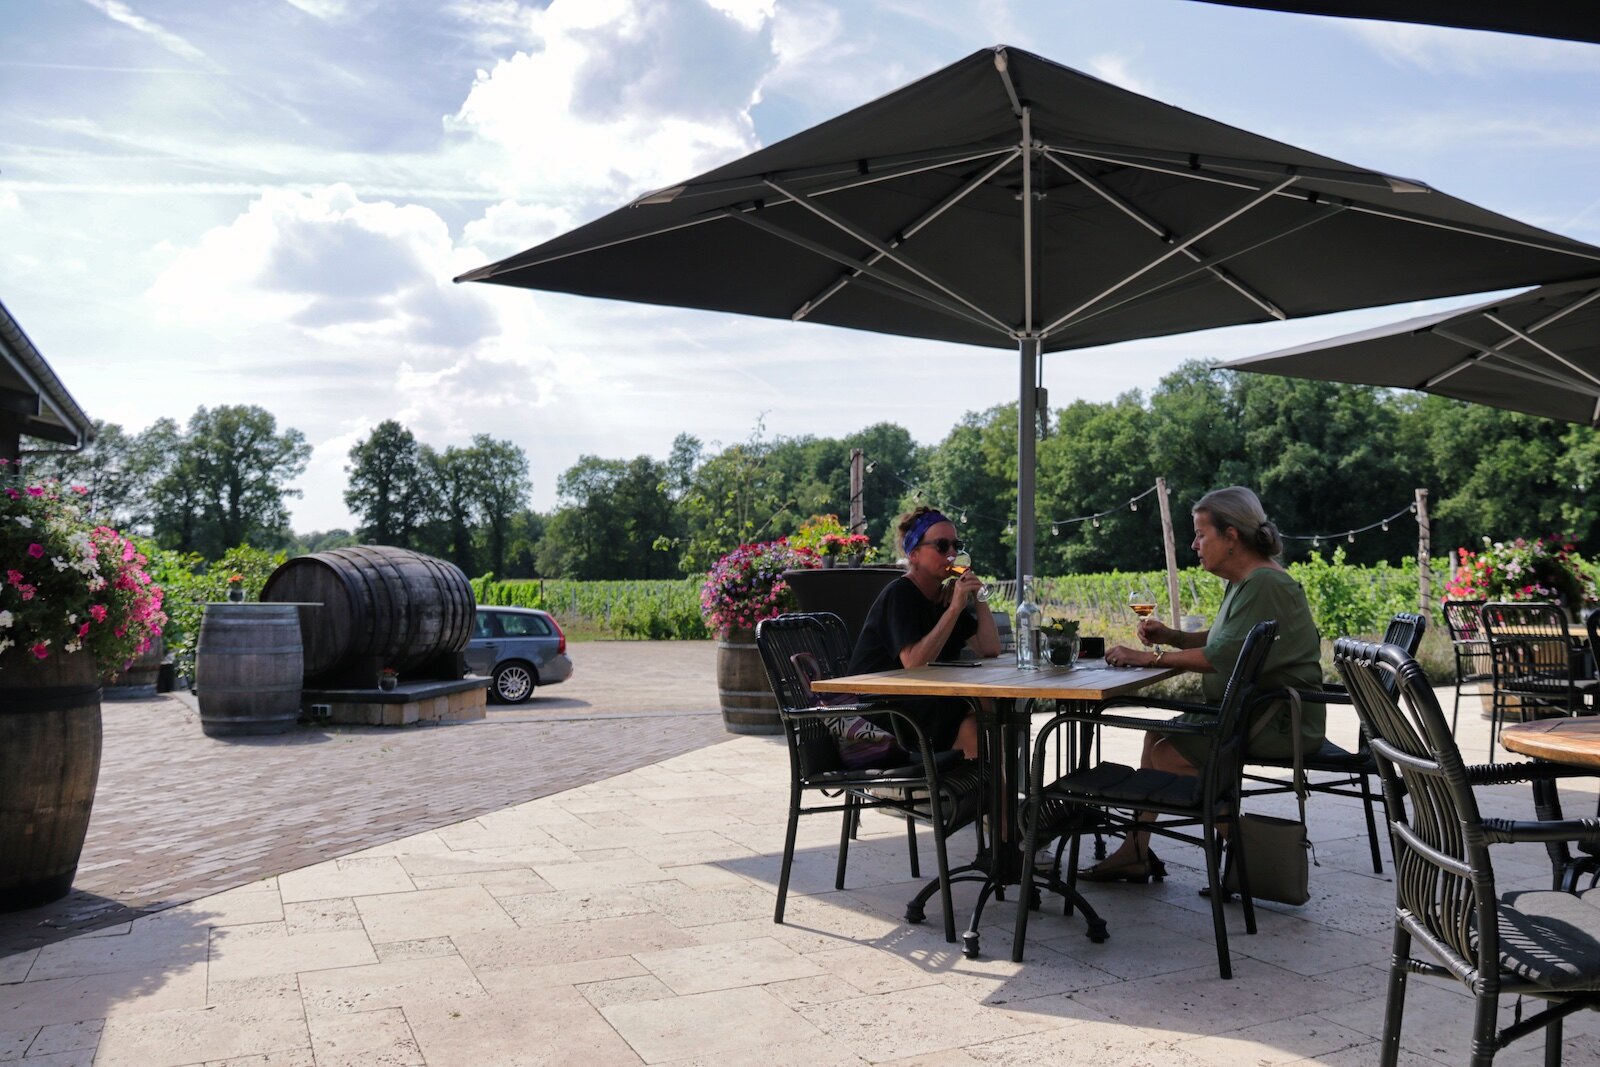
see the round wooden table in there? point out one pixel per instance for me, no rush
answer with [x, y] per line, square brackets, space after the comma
[1574, 742]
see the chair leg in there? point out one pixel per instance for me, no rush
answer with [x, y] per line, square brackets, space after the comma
[911, 848]
[845, 833]
[1483, 1024]
[946, 900]
[1372, 824]
[788, 853]
[1552, 1044]
[1219, 923]
[1455, 713]
[1395, 1004]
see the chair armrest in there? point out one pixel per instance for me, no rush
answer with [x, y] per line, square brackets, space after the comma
[833, 711]
[1153, 703]
[1511, 773]
[1510, 831]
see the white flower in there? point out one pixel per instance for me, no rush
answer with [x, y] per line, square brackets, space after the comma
[6, 619]
[24, 522]
[73, 645]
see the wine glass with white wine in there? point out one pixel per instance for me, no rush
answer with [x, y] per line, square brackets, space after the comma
[1142, 603]
[960, 564]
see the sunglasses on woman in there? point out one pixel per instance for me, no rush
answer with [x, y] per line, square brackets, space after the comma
[946, 544]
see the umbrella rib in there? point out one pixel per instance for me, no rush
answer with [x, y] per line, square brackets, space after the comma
[1365, 209]
[494, 270]
[750, 218]
[933, 213]
[1483, 352]
[1191, 164]
[1552, 353]
[885, 251]
[1492, 358]
[1164, 234]
[854, 172]
[1256, 201]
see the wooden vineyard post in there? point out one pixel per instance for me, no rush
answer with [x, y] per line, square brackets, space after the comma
[1171, 544]
[1424, 550]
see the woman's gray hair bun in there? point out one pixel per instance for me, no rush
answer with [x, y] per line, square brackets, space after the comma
[1239, 507]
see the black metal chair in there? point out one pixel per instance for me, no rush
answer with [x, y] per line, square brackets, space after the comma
[1352, 772]
[1113, 796]
[1538, 668]
[794, 646]
[1473, 665]
[1543, 944]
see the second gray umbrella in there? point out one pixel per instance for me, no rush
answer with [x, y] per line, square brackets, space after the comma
[1538, 352]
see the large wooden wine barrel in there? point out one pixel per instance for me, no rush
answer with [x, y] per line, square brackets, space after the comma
[248, 668]
[748, 706]
[389, 605]
[138, 679]
[49, 765]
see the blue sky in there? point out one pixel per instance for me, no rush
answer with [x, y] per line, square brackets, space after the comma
[263, 201]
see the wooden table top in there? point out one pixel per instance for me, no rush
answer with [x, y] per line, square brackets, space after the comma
[1575, 742]
[1089, 680]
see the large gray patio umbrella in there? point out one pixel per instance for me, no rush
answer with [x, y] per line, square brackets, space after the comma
[1538, 352]
[1012, 202]
[1577, 20]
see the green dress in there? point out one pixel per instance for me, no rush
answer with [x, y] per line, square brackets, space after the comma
[1295, 660]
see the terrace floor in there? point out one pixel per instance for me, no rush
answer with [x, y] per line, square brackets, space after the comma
[589, 880]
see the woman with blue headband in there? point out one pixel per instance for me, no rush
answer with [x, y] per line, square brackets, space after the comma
[923, 616]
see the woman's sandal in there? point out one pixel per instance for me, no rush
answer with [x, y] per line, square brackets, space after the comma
[1138, 870]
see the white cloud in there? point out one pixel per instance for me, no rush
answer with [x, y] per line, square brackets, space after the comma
[346, 272]
[616, 97]
[751, 14]
[508, 227]
[119, 12]
[1441, 49]
[1118, 70]
[326, 10]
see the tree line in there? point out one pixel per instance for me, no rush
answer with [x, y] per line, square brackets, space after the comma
[1325, 458]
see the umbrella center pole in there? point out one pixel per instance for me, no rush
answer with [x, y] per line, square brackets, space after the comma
[1027, 436]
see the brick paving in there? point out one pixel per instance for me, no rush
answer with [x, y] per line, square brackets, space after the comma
[179, 815]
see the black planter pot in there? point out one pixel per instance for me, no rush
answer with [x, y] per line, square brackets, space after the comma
[848, 592]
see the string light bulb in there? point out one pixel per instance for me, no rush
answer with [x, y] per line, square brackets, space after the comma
[1385, 525]
[963, 516]
[1010, 528]
[1055, 531]
[1097, 522]
[1133, 505]
[1316, 542]
[871, 465]
[1351, 537]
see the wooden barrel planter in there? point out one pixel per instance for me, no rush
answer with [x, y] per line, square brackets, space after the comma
[138, 679]
[49, 765]
[748, 706]
[380, 607]
[248, 669]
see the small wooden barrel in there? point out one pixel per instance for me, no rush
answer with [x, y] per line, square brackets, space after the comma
[748, 706]
[49, 764]
[389, 605]
[139, 679]
[248, 669]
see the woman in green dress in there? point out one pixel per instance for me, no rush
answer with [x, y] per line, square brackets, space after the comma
[1236, 542]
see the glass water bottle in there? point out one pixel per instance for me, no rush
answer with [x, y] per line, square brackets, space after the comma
[1027, 628]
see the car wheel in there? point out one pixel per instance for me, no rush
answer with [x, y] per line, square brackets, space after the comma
[513, 683]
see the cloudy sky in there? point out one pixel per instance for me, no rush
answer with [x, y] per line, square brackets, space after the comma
[263, 201]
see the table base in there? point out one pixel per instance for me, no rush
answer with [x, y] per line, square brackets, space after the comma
[983, 869]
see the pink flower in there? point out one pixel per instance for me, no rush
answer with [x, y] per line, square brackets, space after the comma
[14, 577]
[98, 611]
[81, 490]
[12, 493]
[83, 631]
[40, 650]
[36, 490]
[36, 550]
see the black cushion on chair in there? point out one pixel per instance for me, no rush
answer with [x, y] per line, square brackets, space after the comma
[1552, 938]
[1151, 786]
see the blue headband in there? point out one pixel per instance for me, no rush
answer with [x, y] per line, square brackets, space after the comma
[920, 528]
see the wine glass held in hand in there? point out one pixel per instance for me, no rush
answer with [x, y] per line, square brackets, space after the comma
[1142, 603]
[960, 564]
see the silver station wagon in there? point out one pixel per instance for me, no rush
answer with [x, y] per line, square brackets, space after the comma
[519, 649]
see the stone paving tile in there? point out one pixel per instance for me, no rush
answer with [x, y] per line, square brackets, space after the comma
[610, 923]
[179, 815]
